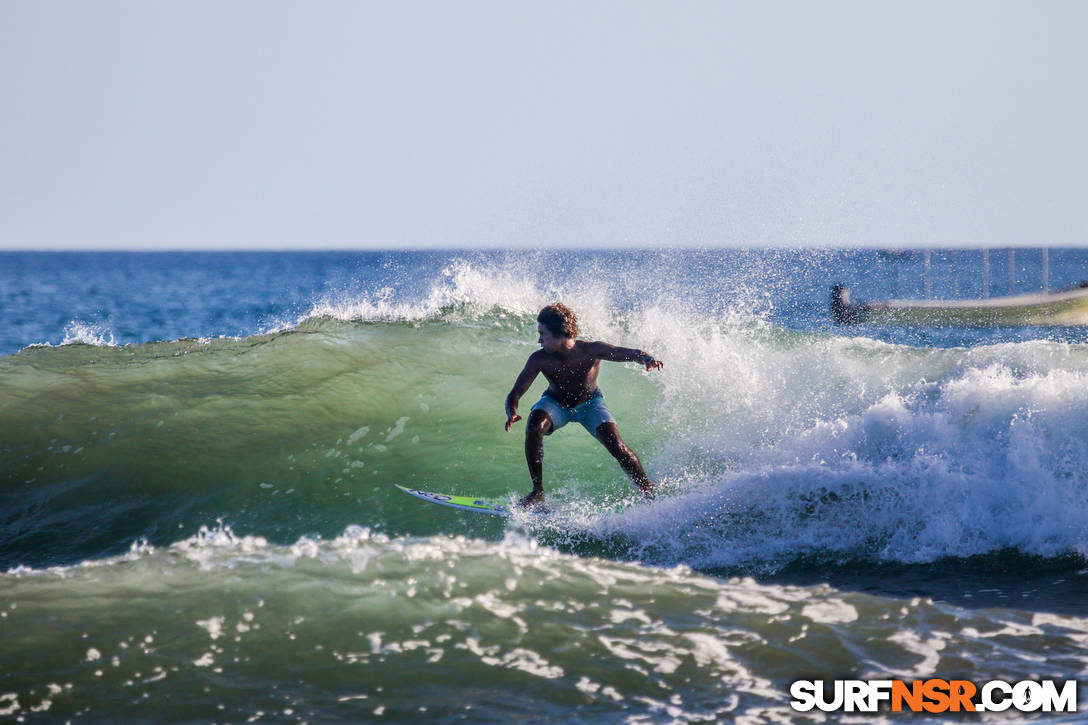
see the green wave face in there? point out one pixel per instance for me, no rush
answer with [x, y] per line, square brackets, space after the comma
[284, 434]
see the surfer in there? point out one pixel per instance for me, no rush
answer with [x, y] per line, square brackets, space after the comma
[571, 366]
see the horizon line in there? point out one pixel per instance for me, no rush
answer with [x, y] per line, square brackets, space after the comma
[488, 248]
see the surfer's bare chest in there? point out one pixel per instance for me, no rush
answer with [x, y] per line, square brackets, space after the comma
[572, 379]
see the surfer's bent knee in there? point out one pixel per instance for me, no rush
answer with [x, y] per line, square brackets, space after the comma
[540, 423]
[609, 433]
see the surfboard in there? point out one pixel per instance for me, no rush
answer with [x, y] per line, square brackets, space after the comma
[494, 507]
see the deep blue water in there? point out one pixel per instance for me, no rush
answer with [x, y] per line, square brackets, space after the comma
[126, 297]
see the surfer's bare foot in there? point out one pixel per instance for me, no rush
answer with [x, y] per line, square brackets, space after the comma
[534, 499]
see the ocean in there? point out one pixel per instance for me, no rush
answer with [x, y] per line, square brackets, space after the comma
[198, 520]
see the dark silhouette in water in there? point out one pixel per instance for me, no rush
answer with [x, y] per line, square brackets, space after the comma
[842, 310]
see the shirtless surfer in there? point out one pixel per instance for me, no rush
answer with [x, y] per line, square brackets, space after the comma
[571, 366]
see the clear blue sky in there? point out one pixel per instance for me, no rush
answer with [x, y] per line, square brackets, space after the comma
[271, 124]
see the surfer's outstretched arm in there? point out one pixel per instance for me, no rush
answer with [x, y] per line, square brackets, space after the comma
[521, 386]
[612, 353]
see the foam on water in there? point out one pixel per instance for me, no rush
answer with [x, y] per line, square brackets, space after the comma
[858, 452]
[350, 625]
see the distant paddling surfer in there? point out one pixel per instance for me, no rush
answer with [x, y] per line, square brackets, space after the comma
[571, 366]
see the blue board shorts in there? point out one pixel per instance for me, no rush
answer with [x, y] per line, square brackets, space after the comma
[590, 414]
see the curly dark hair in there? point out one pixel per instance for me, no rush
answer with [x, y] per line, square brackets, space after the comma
[559, 319]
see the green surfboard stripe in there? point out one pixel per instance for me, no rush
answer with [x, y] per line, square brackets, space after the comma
[494, 507]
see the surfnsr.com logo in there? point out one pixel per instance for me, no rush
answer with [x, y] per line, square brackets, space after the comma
[933, 696]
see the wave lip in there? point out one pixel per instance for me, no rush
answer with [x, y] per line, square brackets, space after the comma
[461, 289]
